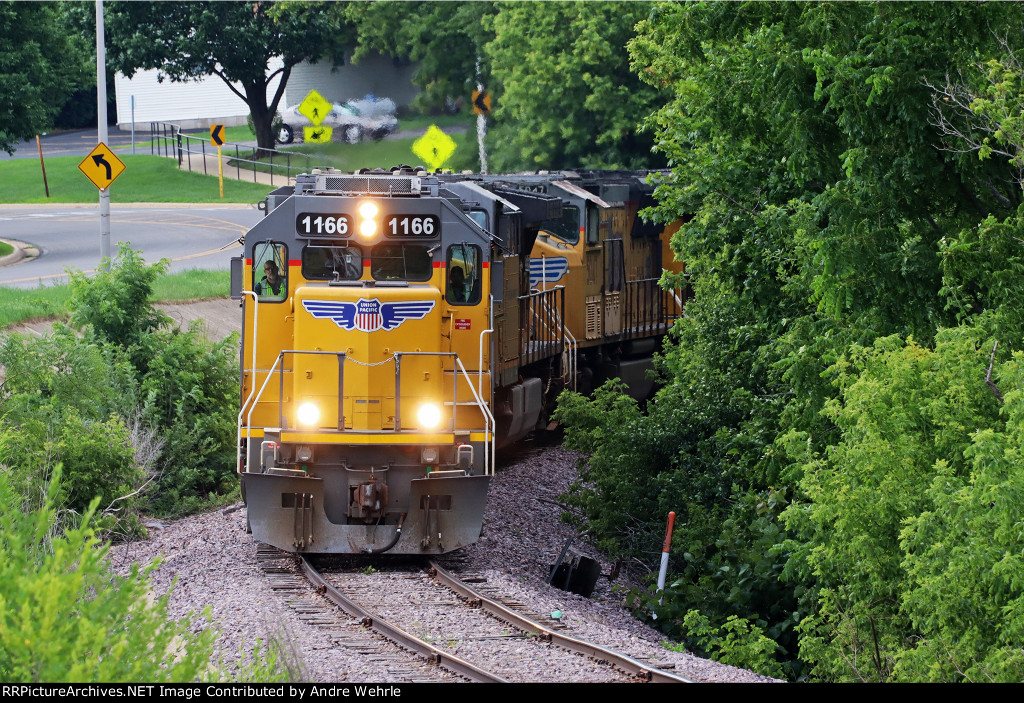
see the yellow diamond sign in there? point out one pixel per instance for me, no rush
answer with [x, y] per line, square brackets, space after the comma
[314, 107]
[101, 166]
[317, 135]
[435, 147]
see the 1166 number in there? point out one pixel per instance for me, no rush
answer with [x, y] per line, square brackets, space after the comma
[320, 225]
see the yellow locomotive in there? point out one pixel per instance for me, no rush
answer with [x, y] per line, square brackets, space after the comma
[398, 326]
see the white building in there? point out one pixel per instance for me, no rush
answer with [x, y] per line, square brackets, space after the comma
[198, 104]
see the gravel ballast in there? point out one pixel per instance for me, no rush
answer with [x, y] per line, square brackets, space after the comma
[213, 562]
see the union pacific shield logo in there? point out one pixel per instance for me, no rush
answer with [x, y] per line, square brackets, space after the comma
[368, 315]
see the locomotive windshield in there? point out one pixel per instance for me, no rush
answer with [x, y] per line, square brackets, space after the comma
[401, 262]
[343, 263]
[566, 227]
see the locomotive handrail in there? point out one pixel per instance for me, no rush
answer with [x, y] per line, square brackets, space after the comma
[540, 299]
[490, 424]
[571, 347]
[252, 389]
[648, 310]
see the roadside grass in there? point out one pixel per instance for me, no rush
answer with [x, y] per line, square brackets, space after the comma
[146, 179]
[5, 249]
[17, 305]
[441, 121]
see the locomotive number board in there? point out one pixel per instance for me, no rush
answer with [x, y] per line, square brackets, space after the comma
[317, 224]
[412, 226]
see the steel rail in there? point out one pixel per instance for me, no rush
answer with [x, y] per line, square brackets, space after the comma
[588, 649]
[395, 634]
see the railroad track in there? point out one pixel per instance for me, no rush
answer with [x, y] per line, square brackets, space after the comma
[425, 622]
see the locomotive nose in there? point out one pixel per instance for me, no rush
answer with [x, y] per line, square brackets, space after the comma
[386, 377]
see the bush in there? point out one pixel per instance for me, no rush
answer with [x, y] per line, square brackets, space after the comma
[64, 617]
[190, 391]
[115, 301]
[187, 387]
[63, 401]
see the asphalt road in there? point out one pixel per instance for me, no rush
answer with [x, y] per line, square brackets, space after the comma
[80, 142]
[68, 236]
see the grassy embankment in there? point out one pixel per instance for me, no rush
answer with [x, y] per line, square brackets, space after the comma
[18, 305]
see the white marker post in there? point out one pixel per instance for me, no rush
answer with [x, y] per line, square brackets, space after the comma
[664, 553]
[101, 118]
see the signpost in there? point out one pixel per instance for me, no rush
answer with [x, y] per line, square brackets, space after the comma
[435, 147]
[101, 166]
[217, 139]
[316, 108]
[481, 102]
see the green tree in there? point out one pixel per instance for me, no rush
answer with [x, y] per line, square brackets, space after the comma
[564, 93]
[41, 65]
[906, 415]
[444, 39]
[234, 41]
[820, 213]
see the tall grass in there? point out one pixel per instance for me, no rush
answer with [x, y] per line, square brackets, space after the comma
[23, 305]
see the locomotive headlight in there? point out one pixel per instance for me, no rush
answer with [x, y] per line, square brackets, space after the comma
[368, 211]
[368, 228]
[308, 414]
[429, 416]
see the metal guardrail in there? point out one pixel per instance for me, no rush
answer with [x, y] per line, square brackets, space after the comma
[191, 152]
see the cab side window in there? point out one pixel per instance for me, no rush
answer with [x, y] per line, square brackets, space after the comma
[270, 271]
[464, 277]
[567, 227]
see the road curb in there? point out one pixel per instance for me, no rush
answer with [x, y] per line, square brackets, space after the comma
[21, 251]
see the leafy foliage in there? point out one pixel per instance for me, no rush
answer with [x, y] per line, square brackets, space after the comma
[41, 65]
[116, 301]
[190, 391]
[736, 642]
[906, 415]
[64, 617]
[564, 94]
[129, 404]
[444, 39]
[828, 392]
[63, 402]
[234, 41]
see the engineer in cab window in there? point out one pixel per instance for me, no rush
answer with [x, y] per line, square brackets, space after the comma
[463, 277]
[272, 285]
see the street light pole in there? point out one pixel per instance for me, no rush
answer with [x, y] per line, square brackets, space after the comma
[101, 112]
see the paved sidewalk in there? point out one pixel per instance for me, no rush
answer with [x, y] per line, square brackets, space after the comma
[208, 166]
